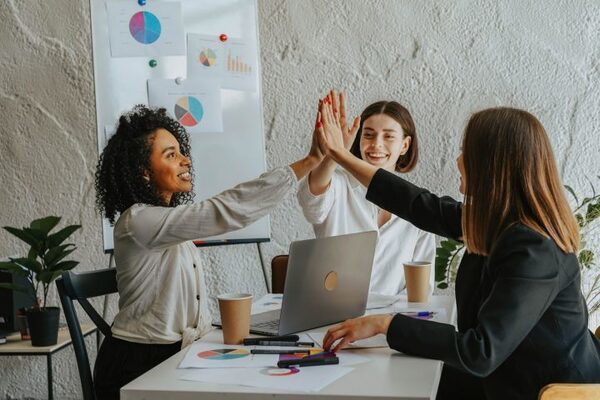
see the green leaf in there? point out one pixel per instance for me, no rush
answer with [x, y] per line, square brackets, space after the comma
[443, 253]
[45, 225]
[57, 238]
[442, 285]
[13, 268]
[55, 254]
[10, 286]
[48, 277]
[24, 235]
[593, 212]
[570, 190]
[580, 220]
[64, 266]
[586, 258]
[32, 265]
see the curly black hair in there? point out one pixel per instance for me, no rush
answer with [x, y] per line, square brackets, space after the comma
[119, 174]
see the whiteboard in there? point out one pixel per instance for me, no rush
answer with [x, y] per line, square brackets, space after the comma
[220, 160]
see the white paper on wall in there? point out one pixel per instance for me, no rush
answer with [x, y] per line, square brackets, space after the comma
[232, 62]
[155, 29]
[195, 103]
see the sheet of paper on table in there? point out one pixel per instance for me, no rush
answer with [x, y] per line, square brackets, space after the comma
[305, 379]
[205, 354]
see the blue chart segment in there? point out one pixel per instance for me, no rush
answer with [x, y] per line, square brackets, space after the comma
[189, 111]
[145, 27]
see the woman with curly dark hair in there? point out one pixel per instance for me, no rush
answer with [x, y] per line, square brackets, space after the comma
[144, 182]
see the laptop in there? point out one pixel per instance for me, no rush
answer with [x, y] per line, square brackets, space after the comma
[327, 281]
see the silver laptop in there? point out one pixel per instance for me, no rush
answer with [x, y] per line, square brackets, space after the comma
[327, 281]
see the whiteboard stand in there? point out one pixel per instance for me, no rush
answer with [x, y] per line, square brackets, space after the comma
[264, 269]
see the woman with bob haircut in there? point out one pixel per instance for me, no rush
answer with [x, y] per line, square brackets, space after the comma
[333, 201]
[144, 182]
[522, 319]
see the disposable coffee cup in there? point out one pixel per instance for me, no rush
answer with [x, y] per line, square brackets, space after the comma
[235, 316]
[416, 274]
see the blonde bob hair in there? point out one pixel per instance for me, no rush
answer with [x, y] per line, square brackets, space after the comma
[511, 177]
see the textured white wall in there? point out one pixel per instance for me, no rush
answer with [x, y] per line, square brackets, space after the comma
[443, 60]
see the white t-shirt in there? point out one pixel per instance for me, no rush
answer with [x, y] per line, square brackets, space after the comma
[162, 288]
[343, 209]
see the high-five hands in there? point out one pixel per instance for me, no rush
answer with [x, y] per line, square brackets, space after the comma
[334, 135]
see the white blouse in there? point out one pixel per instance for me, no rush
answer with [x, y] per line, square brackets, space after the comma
[162, 288]
[343, 208]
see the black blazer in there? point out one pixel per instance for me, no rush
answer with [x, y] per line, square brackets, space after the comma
[522, 319]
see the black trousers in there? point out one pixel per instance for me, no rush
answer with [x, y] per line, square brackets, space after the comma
[119, 362]
[455, 384]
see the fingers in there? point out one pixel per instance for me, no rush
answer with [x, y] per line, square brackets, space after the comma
[334, 101]
[342, 114]
[355, 126]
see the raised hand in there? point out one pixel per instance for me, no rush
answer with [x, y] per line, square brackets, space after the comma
[315, 152]
[355, 329]
[331, 138]
[339, 110]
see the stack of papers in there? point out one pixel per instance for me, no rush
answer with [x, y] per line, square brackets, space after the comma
[214, 362]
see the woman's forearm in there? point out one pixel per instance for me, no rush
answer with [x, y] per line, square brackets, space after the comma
[320, 177]
[360, 169]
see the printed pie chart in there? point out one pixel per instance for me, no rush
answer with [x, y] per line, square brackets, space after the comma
[280, 371]
[189, 111]
[144, 27]
[223, 354]
[208, 58]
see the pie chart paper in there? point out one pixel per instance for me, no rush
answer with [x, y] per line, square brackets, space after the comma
[195, 103]
[189, 111]
[153, 30]
[144, 27]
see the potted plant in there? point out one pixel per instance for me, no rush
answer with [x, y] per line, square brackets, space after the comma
[586, 211]
[44, 263]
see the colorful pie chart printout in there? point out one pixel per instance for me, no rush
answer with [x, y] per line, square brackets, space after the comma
[145, 27]
[194, 103]
[189, 111]
[223, 354]
[208, 57]
[234, 63]
[154, 30]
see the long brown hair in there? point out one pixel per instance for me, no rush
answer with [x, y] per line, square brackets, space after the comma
[511, 177]
[400, 114]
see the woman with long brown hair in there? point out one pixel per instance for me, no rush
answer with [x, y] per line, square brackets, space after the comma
[522, 320]
[334, 202]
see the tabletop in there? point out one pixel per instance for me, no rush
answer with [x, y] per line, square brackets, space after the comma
[388, 374]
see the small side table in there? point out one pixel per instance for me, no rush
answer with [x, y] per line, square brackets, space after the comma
[17, 347]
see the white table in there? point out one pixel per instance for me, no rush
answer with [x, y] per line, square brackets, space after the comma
[389, 374]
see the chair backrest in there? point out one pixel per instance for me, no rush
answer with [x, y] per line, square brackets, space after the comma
[80, 287]
[278, 272]
[570, 391]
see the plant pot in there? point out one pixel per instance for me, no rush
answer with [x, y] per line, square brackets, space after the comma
[43, 325]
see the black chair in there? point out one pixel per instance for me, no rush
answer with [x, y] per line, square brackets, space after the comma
[80, 287]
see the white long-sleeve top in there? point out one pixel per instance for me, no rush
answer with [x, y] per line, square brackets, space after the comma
[162, 288]
[343, 208]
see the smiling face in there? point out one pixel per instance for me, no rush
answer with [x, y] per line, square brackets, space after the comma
[170, 169]
[382, 141]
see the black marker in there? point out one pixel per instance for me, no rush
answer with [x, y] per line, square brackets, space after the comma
[275, 351]
[286, 338]
[308, 362]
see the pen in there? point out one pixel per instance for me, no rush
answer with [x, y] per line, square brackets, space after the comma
[286, 338]
[307, 362]
[418, 313]
[279, 343]
[275, 351]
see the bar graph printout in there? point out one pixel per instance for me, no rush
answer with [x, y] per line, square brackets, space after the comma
[232, 62]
